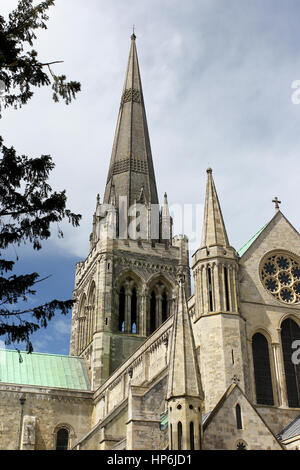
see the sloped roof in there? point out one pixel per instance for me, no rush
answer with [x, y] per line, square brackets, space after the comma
[184, 375]
[249, 242]
[247, 245]
[214, 231]
[222, 400]
[291, 430]
[45, 370]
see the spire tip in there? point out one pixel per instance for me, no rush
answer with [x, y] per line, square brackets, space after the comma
[133, 36]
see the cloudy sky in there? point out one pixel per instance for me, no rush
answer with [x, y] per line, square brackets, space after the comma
[217, 79]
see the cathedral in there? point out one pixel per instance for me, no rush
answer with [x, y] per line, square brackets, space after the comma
[152, 364]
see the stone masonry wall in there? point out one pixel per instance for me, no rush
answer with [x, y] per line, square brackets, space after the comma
[51, 408]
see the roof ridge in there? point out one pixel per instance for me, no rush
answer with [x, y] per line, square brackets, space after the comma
[41, 353]
[251, 240]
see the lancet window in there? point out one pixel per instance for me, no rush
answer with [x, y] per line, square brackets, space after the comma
[159, 305]
[129, 321]
[290, 337]
[262, 370]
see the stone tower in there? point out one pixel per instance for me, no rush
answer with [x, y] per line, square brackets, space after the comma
[219, 327]
[184, 392]
[125, 289]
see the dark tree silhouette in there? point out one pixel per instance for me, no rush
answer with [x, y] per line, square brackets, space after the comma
[28, 205]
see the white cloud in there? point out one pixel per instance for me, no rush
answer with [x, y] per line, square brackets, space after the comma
[217, 84]
[62, 326]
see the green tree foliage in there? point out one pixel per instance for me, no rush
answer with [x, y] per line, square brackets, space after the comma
[28, 205]
[21, 72]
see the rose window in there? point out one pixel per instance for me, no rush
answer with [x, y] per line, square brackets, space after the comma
[280, 275]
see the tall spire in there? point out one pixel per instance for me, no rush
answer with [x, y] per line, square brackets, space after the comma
[214, 231]
[131, 166]
[184, 375]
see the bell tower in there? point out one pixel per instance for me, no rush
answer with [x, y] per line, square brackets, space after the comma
[125, 289]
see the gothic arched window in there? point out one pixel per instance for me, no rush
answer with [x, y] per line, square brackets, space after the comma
[262, 370]
[226, 284]
[159, 308]
[210, 290]
[128, 306]
[62, 439]
[290, 332]
[179, 431]
[192, 439]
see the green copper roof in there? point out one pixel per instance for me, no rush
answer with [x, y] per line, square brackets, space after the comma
[45, 370]
[163, 421]
[249, 243]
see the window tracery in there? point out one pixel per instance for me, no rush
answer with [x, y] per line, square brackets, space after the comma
[280, 275]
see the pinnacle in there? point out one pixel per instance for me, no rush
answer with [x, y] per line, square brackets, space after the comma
[214, 231]
[184, 375]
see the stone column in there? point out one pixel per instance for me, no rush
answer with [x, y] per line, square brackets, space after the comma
[143, 305]
[205, 289]
[92, 321]
[198, 291]
[281, 371]
[127, 310]
[86, 329]
[275, 352]
[230, 288]
[201, 284]
[217, 287]
[158, 311]
[222, 276]
[213, 287]
[138, 314]
[234, 293]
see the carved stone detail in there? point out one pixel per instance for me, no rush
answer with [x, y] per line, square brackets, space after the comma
[131, 94]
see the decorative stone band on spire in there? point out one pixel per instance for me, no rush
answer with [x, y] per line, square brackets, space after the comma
[121, 166]
[131, 94]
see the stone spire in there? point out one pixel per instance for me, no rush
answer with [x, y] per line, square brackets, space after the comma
[184, 375]
[214, 231]
[131, 166]
[184, 391]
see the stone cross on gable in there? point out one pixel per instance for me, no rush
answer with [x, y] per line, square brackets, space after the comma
[277, 202]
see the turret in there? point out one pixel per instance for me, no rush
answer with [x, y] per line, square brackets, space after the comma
[219, 327]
